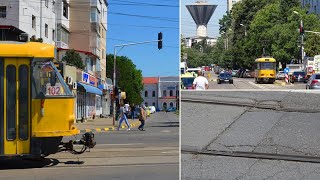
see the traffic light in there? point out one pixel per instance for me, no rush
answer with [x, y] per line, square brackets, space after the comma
[301, 28]
[160, 40]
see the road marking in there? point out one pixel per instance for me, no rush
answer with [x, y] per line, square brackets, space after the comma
[165, 131]
[257, 85]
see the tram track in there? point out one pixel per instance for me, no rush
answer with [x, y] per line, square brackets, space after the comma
[256, 105]
[254, 155]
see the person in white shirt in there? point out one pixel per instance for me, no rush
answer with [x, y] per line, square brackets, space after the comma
[200, 82]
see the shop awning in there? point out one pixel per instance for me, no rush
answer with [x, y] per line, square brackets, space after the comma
[90, 89]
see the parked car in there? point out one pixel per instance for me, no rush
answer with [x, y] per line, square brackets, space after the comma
[314, 82]
[299, 76]
[234, 73]
[171, 109]
[152, 109]
[225, 77]
[280, 75]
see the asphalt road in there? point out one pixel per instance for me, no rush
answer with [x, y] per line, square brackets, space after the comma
[250, 135]
[150, 154]
[248, 83]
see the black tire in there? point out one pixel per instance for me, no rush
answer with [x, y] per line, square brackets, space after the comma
[231, 82]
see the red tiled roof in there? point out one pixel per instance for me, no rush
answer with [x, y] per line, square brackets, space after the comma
[150, 80]
[169, 97]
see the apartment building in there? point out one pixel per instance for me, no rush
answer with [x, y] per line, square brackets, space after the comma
[230, 3]
[36, 18]
[88, 31]
[312, 5]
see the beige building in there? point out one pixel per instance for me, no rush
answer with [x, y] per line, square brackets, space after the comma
[230, 3]
[88, 31]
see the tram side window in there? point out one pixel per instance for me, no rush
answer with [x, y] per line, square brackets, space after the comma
[45, 82]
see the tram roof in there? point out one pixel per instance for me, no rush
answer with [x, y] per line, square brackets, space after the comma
[26, 49]
[265, 59]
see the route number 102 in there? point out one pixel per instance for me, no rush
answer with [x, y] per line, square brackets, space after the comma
[53, 90]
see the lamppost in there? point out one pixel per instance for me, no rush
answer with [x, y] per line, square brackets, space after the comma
[225, 40]
[115, 60]
[245, 29]
[301, 34]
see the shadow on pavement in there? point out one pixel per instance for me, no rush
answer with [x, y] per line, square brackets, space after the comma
[167, 124]
[32, 163]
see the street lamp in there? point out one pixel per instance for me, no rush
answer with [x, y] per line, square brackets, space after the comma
[301, 33]
[225, 40]
[245, 29]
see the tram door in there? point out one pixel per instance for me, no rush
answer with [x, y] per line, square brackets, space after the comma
[15, 106]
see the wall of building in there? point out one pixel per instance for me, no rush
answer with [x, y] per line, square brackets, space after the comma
[312, 5]
[150, 100]
[80, 25]
[230, 3]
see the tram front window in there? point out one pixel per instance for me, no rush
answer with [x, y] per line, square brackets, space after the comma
[47, 81]
[266, 65]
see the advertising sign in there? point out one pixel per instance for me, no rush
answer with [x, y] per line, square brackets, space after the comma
[89, 79]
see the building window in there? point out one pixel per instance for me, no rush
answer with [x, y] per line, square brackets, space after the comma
[46, 30]
[153, 93]
[33, 22]
[171, 104]
[146, 103]
[3, 11]
[146, 94]
[53, 34]
[65, 9]
[62, 35]
[164, 93]
[164, 105]
[46, 2]
[171, 93]
[153, 104]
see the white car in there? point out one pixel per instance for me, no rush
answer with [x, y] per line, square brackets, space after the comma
[152, 109]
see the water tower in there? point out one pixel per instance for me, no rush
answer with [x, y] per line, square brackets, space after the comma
[201, 13]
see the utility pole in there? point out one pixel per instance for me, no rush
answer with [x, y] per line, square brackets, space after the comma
[114, 65]
[41, 19]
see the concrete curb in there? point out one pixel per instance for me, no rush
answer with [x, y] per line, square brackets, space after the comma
[108, 128]
[282, 83]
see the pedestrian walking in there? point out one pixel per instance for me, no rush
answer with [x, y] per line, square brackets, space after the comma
[200, 82]
[133, 109]
[142, 117]
[123, 117]
[127, 109]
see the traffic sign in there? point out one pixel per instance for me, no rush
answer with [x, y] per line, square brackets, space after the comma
[286, 70]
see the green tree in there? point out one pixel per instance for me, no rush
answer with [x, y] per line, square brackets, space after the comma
[73, 58]
[129, 78]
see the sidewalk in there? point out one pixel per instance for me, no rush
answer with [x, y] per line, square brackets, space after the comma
[103, 124]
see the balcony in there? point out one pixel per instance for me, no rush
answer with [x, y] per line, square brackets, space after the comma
[95, 51]
[61, 44]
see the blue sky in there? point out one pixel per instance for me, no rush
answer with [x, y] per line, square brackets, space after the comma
[188, 27]
[123, 29]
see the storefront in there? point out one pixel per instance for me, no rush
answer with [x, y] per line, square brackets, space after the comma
[88, 97]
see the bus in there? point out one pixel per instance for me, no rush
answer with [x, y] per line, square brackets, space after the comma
[265, 71]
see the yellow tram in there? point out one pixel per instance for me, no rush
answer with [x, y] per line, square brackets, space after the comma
[265, 71]
[36, 105]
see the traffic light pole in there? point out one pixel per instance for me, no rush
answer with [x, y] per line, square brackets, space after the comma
[114, 70]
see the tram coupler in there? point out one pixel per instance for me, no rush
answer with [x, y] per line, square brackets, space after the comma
[87, 141]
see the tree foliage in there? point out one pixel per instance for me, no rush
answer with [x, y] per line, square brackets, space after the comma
[73, 58]
[129, 78]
